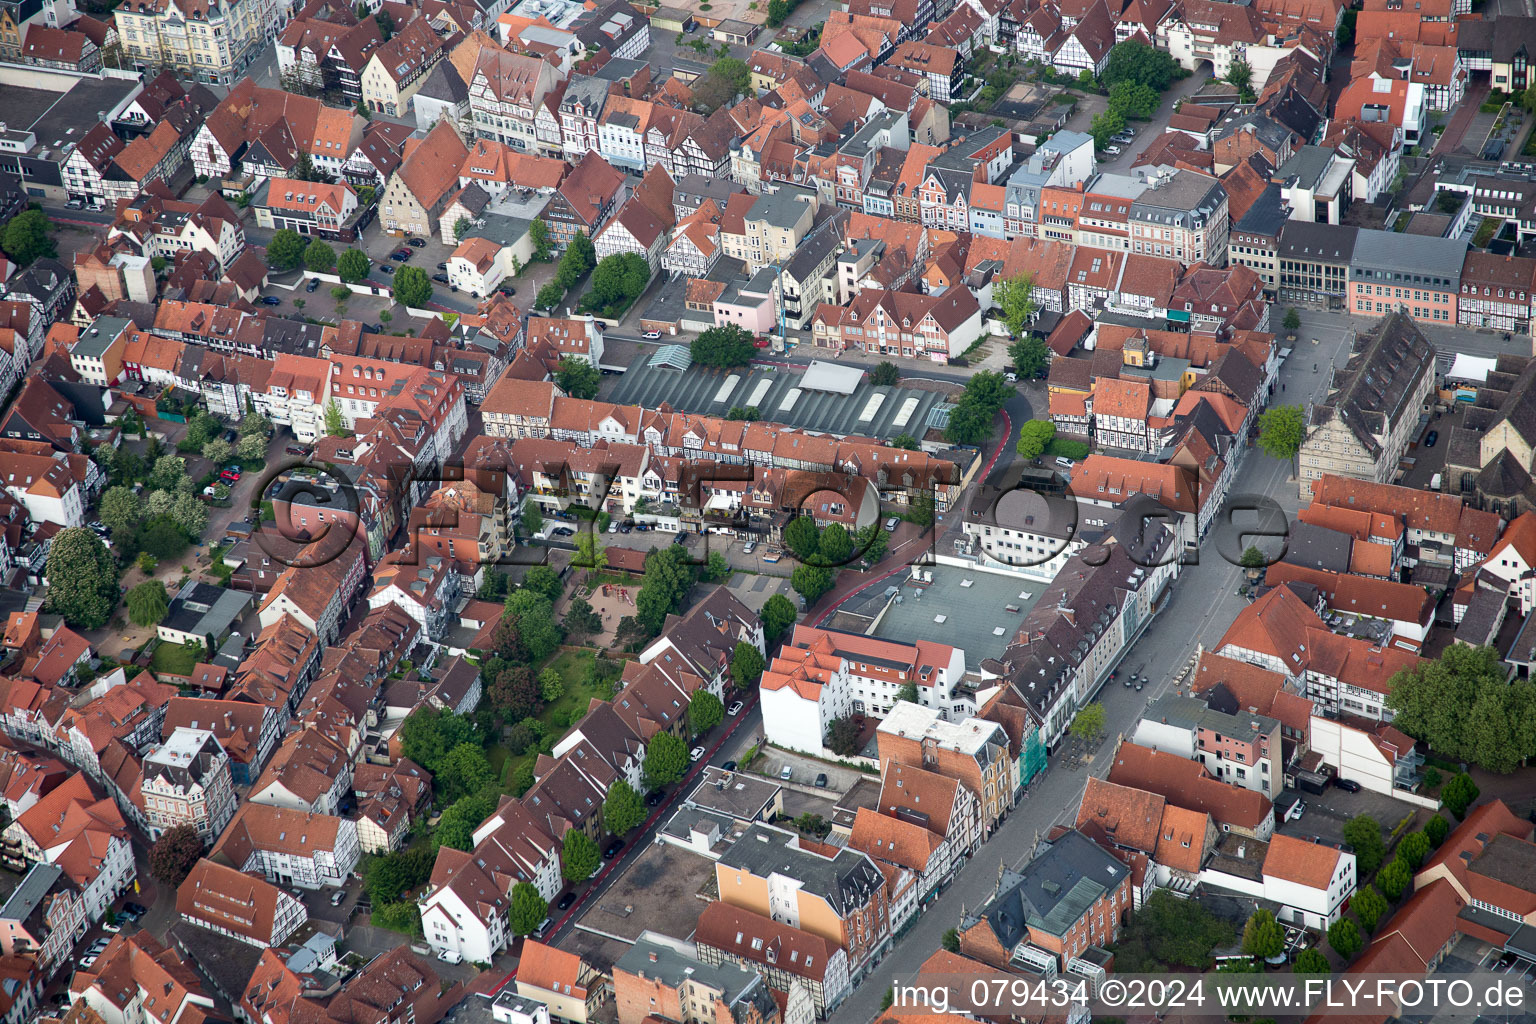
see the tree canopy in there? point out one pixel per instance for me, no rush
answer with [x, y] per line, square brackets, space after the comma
[746, 664]
[623, 810]
[1462, 706]
[579, 856]
[1034, 436]
[666, 759]
[352, 265]
[28, 237]
[413, 287]
[82, 578]
[1137, 62]
[174, 854]
[617, 281]
[885, 374]
[1363, 835]
[1282, 428]
[527, 910]
[970, 422]
[148, 603]
[320, 257]
[1015, 297]
[704, 711]
[667, 581]
[722, 348]
[285, 250]
[577, 377]
[778, 615]
[1262, 936]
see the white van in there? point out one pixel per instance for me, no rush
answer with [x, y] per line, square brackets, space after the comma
[450, 956]
[1064, 463]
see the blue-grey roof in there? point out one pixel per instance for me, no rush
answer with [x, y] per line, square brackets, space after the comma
[870, 411]
[676, 357]
[1384, 254]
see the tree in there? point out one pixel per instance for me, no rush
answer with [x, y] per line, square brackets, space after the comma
[1253, 558]
[168, 469]
[778, 10]
[456, 828]
[251, 447]
[1106, 126]
[1240, 75]
[579, 857]
[920, 511]
[1344, 937]
[1134, 99]
[1281, 431]
[950, 940]
[335, 423]
[623, 810]
[704, 711]
[148, 603]
[778, 615]
[386, 23]
[835, 548]
[1369, 906]
[174, 854]
[462, 771]
[1437, 828]
[352, 265]
[412, 287]
[551, 685]
[1413, 848]
[536, 624]
[802, 538]
[320, 257]
[162, 537]
[549, 296]
[515, 691]
[1138, 62]
[668, 579]
[871, 541]
[390, 878]
[218, 451]
[1462, 706]
[968, 424]
[1262, 936]
[27, 237]
[160, 503]
[843, 737]
[543, 580]
[428, 734]
[1292, 320]
[885, 374]
[285, 250]
[533, 519]
[666, 759]
[538, 234]
[577, 377]
[1363, 835]
[82, 579]
[1029, 356]
[722, 348]
[1311, 961]
[810, 581]
[581, 618]
[119, 509]
[906, 441]
[1394, 879]
[1015, 297]
[734, 71]
[617, 280]
[1457, 795]
[1088, 725]
[746, 664]
[528, 908]
[1171, 932]
[461, 228]
[1034, 437]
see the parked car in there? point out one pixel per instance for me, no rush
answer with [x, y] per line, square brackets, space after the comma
[761, 343]
[312, 284]
[1431, 438]
[613, 527]
[271, 300]
[400, 255]
[507, 290]
[416, 243]
[136, 908]
[233, 471]
[294, 449]
[749, 547]
[729, 766]
[450, 956]
[652, 335]
[654, 798]
[695, 753]
[612, 849]
[337, 898]
[386, 269]
[108, 926]
[821, 780]
[440, 278]
[892, 523]
[442, 266]
[734, 709]
[1297, 810]
[786, 773]
[564, 531]
[1347, 785]
[566, 901]
[1113, 150]
[86, 962]
[75, 204]
[625, 527]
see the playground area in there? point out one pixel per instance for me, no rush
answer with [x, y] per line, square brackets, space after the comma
[611, 598]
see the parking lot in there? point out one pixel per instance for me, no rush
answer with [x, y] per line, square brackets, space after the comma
[803, 770]
[1326, 814]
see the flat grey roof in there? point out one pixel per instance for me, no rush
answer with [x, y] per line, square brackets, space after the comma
[30, 892]
[103, 331]
[869, 411]
[1433, 257]
[972, 613]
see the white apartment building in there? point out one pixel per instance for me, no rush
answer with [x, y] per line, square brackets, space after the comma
[187, 781]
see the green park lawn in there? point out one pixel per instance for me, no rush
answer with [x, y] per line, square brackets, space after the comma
[174, 659]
